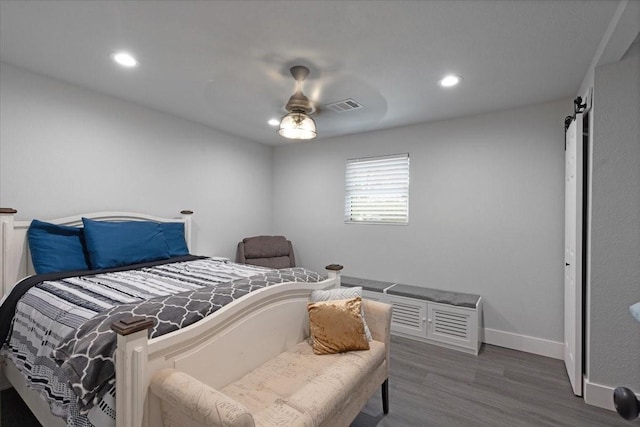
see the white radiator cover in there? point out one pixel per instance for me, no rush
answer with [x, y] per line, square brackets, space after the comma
[436, 323]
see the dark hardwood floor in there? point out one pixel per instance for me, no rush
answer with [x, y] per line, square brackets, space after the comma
[434, 386]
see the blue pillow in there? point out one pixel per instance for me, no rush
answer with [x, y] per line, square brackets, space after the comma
[174, 233]
[113, 244]
[56, 248]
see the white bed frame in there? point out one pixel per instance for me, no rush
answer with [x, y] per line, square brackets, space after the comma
[215, 349]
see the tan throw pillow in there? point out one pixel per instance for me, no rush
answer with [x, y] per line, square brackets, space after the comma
[342, 293]
[337, 326]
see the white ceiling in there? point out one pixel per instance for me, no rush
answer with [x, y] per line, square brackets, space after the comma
[225, 63]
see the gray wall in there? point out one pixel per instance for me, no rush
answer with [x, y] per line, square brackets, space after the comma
[614, 336]
[486, 212]
[64, 150]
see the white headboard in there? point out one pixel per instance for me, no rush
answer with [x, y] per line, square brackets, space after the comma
[15, 260]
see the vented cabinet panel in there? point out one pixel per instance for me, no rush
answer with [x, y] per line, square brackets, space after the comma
[452, 325]
[408, 315]
[433, 322]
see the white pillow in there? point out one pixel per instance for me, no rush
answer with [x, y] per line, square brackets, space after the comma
[635, 311]
[342, 293]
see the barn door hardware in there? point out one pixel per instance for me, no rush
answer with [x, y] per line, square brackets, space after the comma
[578, 107]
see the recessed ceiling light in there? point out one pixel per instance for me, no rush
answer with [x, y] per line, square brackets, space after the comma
[124, 58]
[274, 122]
[450, 80]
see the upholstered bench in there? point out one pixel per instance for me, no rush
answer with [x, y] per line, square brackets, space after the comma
[446, 318]
[367, 285]
[458, 299]
[295, 388]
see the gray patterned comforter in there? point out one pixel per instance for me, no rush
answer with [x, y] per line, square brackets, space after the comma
[87, 355]
[58, 317]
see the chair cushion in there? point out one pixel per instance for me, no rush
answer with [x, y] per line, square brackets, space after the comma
[300, 388]
[266, 247]
[277, 262]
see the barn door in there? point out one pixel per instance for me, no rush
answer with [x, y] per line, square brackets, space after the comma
[573, 254]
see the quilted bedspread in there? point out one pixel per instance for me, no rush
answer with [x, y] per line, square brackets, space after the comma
[87, 355]
[70, 319]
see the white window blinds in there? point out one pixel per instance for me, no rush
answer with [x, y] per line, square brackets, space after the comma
[377, 190]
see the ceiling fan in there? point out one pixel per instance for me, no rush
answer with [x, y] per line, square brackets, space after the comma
[297, 123]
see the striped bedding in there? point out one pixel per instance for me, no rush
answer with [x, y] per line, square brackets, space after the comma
[51, 311]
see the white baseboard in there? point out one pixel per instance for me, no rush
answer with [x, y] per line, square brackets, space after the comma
[524, 343]
[599, 395]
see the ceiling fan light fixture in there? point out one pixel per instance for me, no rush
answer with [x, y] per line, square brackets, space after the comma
[299, 102]
[297, 125]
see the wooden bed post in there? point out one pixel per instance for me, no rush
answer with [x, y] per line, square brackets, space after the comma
[333, 271]
[186, 215]
[132, 380]
[6, 229]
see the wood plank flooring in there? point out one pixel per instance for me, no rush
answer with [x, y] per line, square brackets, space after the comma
[433, 386]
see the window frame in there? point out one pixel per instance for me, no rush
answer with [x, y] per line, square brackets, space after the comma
[402, 162]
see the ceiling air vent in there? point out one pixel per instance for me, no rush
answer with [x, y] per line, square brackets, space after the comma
[344, 105]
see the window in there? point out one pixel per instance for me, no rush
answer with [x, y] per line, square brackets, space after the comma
[377, 190]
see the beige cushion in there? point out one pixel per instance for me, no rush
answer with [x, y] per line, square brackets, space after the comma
[189, 402]
[298, 388]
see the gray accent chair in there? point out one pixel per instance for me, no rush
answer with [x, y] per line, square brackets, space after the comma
[266, 251]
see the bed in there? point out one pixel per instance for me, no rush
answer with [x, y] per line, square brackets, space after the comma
[110, 347]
